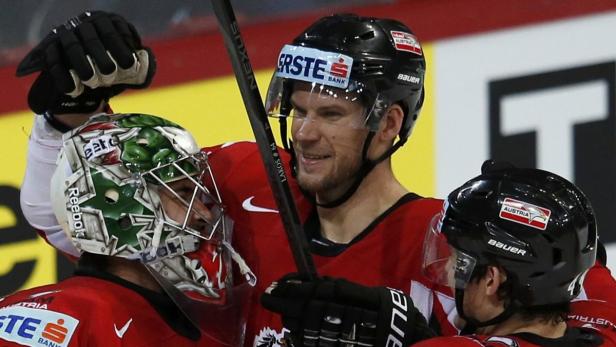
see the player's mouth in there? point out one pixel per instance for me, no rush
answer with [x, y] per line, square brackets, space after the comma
[311, 161]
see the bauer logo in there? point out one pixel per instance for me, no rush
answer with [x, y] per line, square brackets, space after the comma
[525, 213]
[313, 65]
[34, 327]
[406, 42]
[409, 78]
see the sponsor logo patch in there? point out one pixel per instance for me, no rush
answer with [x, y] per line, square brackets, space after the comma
[525, 213]
[406, 42]
[34, 327]
[313, 65]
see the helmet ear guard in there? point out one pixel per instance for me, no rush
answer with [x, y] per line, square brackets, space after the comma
[408, 123]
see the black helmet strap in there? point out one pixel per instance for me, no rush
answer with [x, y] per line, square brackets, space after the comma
[362, 172]
[472, 324]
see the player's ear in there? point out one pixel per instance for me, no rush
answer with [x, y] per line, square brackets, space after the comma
[391, 123]
[494, 278]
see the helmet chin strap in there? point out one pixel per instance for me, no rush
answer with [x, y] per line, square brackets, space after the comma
[473, 324]
[365, 168]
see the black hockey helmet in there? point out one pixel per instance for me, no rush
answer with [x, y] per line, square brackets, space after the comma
[535, 224]
[371, 61]
[386, 66]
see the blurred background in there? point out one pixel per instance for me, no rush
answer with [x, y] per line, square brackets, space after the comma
[529, 81]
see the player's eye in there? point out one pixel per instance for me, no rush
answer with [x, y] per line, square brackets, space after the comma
[298, 113]
[185, 193]
[331, 115]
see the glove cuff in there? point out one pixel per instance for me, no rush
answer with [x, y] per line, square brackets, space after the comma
[41, 100]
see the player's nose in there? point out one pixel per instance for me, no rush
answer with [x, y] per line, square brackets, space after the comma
[306, 129]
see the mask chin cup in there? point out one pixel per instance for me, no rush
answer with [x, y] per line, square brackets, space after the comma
[221, 319]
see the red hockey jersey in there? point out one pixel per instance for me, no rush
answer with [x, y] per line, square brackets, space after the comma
[574, 337]
[598, 286]
[589, 320]
[387, 253]
[86, 311]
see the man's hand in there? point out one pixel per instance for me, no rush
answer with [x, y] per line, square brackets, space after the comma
[336, 312]
[87, 60]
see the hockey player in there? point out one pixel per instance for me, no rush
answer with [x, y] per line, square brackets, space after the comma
[515, 244]
[154, 259]
[155, 268]
[351, 88]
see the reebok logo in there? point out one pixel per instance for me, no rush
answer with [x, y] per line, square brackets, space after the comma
[99, 146]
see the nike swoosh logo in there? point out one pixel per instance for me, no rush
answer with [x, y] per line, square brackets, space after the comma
[36, 295]
[120, 332]
[248, 206]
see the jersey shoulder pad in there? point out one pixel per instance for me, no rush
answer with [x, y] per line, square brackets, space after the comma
[231, 148]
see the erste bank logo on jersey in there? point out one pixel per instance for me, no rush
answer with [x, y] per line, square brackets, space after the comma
[315, 66]
[36, 327]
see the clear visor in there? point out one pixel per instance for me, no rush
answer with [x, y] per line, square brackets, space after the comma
[316, 86]
[442, 263]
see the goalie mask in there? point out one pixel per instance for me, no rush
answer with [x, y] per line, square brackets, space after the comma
[137, 187]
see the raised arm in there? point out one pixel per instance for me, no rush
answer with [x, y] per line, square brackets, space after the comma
[82, 63]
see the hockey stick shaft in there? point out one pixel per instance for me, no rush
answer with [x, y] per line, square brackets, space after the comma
[263, 135]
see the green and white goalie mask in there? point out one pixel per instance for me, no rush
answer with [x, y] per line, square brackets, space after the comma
[138, 187]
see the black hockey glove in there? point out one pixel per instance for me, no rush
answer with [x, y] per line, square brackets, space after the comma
[88, 59]
[336, 312]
